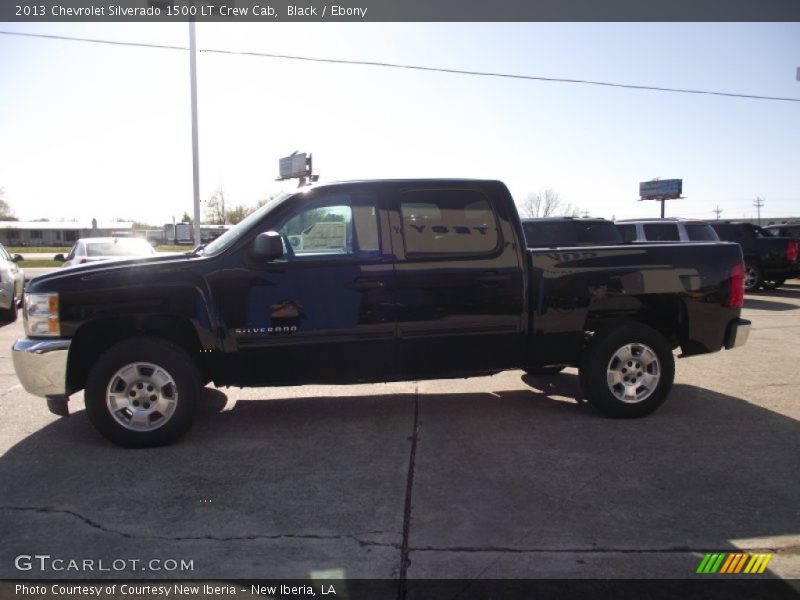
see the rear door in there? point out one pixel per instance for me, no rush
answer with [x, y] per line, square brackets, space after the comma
[460, 288]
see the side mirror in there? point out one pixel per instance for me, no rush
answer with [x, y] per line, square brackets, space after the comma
[17, 258]
[59, 258]
[268, 246]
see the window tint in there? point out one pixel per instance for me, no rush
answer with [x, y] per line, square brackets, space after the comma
[628, 232]
[339, 225]
[597, 232]
[661, 232]
[549, 233]
[448, 222]
[700, 232]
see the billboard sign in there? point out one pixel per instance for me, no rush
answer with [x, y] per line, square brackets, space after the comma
[661, 189]
[296, 165]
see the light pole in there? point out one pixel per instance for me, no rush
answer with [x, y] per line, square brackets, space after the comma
[195, 151]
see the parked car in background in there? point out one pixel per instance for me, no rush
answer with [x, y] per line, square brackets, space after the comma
[12, 282]
[666, 230]
[569, 231]
[769, 260]
[88, 250]
[790, 229]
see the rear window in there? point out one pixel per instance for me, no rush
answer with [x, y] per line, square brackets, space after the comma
[701, 232]
[119, 248]
[598, 232]
[549, 233]
[628, 232]
[448, 222]
[661, 232]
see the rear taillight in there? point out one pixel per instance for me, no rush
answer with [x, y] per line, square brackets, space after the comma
[791, 251]
[736, 295]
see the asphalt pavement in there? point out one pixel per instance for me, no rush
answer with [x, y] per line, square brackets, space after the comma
[494, 477]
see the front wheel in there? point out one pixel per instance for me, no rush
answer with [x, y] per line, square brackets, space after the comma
[142, 392]
[627, 371]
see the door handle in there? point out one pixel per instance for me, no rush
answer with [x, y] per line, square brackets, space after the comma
[363, 285]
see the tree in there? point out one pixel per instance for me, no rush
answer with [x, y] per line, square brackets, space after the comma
[6, 213]
[237, 213]
[544, 204]
[215, 208]
[186, 218]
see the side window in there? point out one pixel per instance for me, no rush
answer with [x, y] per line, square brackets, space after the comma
[700, 233]
[661, 232]
[71, 254]
[628, 232]
[340, 225]
[448, 222]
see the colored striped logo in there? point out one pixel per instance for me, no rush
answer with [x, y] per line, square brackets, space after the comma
[733, 562]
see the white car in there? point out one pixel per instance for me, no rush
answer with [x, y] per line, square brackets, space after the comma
[12, 282]
[87, 250]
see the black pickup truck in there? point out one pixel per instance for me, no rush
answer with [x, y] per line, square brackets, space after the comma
[366, 282]
[769, 260]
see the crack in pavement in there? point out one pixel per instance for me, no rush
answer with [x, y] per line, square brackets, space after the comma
[412, 457]
[600, 550]
[309, 536]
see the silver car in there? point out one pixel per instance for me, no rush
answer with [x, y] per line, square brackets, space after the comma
[87, 250]
[12, 282]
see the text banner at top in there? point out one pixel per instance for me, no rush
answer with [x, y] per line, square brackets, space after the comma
[394, 11]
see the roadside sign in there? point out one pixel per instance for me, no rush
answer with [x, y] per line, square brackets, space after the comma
[296, 165]
[666, 189]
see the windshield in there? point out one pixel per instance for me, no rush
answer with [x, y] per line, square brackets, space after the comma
[119, 248]
[227, 239]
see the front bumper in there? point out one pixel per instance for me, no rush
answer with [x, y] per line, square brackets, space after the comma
[737, 334]
[41, 365]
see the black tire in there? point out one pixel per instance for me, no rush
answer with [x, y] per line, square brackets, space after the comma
[544, 371]
[178, 394]
[654, 377]
[773, 284]
[753, 278]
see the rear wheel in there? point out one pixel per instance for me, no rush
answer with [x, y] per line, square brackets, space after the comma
[627, 370]
[752, 277]
[142, 392]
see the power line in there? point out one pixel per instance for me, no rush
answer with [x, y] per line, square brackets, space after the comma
[388, 65]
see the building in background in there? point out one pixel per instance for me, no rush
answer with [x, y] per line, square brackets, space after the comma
[59, 233]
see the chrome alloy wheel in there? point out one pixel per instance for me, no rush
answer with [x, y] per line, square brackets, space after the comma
[141, 396]
[633, 373]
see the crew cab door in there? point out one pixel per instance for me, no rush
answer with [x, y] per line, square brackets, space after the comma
[460, 287]
[323, 312]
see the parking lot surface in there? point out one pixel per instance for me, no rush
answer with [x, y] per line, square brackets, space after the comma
[497, 477]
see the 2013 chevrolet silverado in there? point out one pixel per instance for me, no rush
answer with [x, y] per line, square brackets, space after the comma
[365, 282]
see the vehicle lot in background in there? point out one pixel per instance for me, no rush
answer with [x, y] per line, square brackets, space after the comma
[769, 260]
[12, 281]
[508, 479]
[666, 230]
[569, 231]
[88, 250]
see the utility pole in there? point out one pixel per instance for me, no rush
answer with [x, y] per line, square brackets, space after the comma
[222, 203]
[585, 214]
[195, 151]
[717, 211]
[758, 203]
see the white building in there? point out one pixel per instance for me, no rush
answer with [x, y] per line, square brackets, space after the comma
[58, 233]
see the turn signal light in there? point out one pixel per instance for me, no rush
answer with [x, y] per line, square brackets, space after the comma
[736, 295]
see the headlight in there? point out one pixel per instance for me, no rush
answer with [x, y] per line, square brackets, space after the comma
[41, 315]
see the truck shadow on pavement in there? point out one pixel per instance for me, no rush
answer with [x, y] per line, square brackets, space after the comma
[281, 487]
[760, 304]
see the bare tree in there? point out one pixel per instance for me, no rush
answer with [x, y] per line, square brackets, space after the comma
[215, 208]
[545, 204]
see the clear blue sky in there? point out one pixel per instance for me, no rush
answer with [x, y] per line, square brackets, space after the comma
[101, 131]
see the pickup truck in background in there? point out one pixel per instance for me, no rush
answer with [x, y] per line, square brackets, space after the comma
[430, 279]
[670, 229]
[769, 260]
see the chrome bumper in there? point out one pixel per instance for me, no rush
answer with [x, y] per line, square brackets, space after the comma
[738, 332]
[41, 365]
